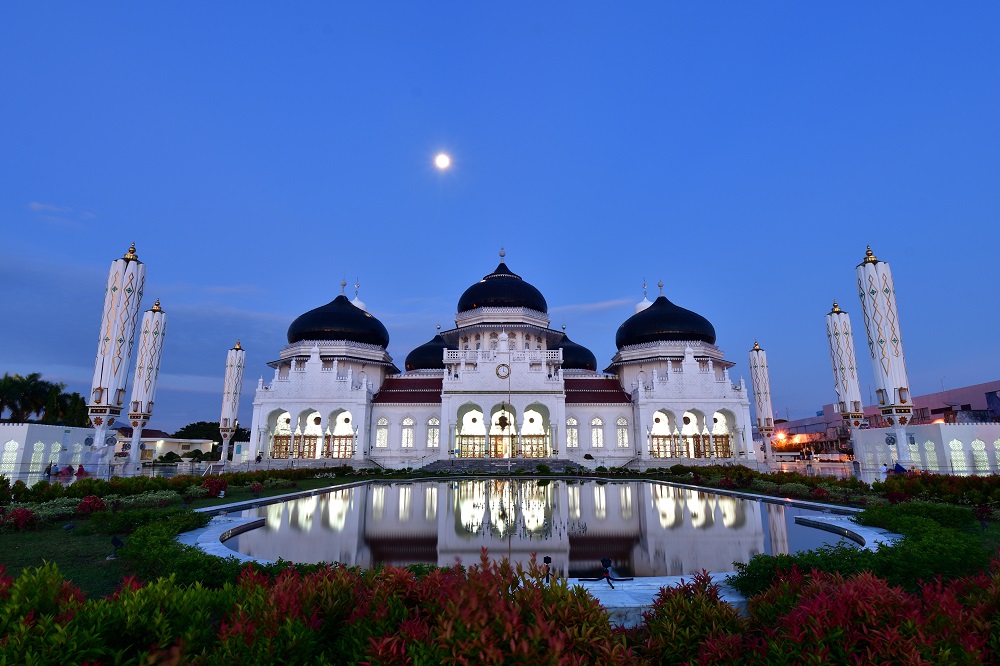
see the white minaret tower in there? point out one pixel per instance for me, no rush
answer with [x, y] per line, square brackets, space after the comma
[845, 371]
[878, 304]
[235, 362]
[761, 381]
[147, 369]
[114, 348]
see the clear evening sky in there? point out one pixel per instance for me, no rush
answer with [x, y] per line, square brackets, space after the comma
[258, 153]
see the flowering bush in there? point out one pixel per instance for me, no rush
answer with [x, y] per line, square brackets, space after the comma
[18, 519]
[820, 494]
[256, 487]
[91, 504]
[214, 485]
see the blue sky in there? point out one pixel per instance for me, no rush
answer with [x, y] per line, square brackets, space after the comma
[744, 153]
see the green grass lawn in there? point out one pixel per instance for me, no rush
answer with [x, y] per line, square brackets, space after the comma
[80, 554]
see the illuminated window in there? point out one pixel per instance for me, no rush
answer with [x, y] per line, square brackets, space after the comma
[408, 433]
[597, 433]
[622, 427]
[382, 433]
[433, 433]
[572, 433]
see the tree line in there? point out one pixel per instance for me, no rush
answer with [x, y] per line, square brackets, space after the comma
[25, 396]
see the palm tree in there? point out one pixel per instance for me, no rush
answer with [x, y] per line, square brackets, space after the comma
[7, 385]
[27, 395]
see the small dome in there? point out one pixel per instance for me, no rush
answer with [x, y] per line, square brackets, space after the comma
[643, 304]
[664, 321]
[502, 289]
[339, 320]
[576, 357]
[428, 356]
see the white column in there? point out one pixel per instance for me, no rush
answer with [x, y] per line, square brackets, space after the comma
[761, 381]
[231, 388]
[152, 332]
[878, 304]
[122, 298]
[845, 372]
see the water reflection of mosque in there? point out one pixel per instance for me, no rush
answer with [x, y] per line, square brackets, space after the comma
[646, 529]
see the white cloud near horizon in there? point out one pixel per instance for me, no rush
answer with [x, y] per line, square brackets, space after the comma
[593, 307]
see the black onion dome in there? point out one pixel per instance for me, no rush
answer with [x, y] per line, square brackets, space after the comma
[575, 356]
[428, 356]
[664, 321]
[339, 320]
[502, 289]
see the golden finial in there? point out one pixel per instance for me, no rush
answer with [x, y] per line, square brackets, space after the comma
[870, 257]
[756, 347]
[503, 253]
[237, 345]
[131, 255]
[156, 307]
[836, 308]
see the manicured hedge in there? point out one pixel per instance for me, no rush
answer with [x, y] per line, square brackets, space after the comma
[490, 614]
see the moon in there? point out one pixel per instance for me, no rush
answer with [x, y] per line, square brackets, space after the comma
[442, 161]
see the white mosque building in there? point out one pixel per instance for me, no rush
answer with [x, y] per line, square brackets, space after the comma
[501, 384]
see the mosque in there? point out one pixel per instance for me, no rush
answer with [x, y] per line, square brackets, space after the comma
[502, 384]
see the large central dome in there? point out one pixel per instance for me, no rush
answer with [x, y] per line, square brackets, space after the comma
[664, 322]
[502, 289]
[339, 320]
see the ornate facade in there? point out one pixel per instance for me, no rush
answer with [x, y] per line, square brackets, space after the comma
[501, 384]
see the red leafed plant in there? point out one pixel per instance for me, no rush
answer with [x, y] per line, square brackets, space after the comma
[91, 504]
[18, 519]
[214, 485]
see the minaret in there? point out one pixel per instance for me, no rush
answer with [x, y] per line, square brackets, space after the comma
[878, 304]
[762, 396]
[114, 347]
[845, 371]
[232, 386]
[147, 369]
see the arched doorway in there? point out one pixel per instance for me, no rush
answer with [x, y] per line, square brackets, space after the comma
[471, 432]
[503, 431]
[723, 426]
[535, 432]
[338, 440]
[280, 425]
[665, 437]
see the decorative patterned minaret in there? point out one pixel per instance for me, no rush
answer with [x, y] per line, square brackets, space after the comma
[114, 347]
[147, 369]
[235, 362]
[845, 371]
[762, 396]
[878, 304]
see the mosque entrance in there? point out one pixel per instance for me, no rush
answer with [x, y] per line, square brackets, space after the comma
[280, 446]
[471, 446]
[338, 446]
[533, 446]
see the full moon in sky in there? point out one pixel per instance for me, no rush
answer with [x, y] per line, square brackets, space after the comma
[442, 161]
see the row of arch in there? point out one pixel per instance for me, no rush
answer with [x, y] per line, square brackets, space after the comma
[957, 458]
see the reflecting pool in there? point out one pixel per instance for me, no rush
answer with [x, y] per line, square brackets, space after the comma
[647, 529]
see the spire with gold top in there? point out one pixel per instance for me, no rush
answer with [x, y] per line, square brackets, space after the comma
[152, 332]
[761, 382]
[885, 342]
[845, 372]
[231, 390]
[122, 299]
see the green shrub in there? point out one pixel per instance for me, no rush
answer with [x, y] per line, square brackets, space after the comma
[543, 469]
[762, 486]
[794, 490]
[945, 515]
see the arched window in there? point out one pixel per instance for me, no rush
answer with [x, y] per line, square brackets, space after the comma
[382, 432]
[433, 433]
[596, 433]
[408, 433]
[572, 433]
[622, 426]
